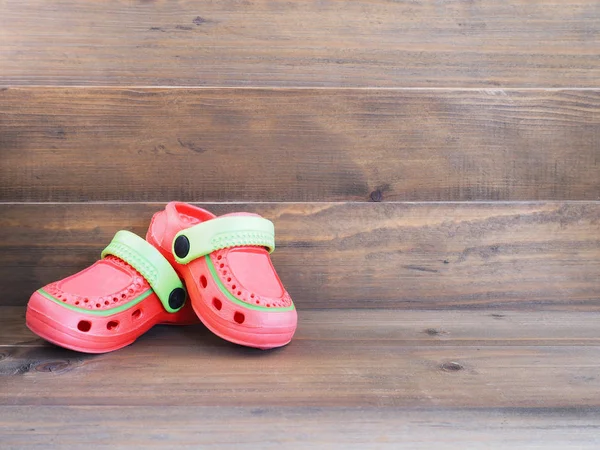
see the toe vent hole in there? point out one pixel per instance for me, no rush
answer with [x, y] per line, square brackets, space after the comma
[136, 314]
[84, 325]
[239, 317]
[217, 304]
[112, 325]
[203, 281]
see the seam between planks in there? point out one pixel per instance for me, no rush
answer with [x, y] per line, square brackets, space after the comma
[464, 202]
[304, 88]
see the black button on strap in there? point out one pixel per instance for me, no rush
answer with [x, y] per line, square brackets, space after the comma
[177, 298]
[182, 246]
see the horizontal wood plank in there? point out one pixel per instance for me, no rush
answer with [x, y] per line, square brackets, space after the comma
[298, 145]
[209, 373]
[192, 427]
[407, 328]
[286, 406]
[299, 43]
[363, 360]
[353, 255]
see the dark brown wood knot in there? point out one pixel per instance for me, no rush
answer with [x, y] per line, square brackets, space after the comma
[52, 366]
[451, 367]
[433, 332]
[377, 195]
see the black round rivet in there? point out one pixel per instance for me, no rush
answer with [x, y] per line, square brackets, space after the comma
[176, 298]
[182, 246]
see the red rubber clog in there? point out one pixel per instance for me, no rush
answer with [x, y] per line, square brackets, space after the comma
[111, 303]
[226, 266]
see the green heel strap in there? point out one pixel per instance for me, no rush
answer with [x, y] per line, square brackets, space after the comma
[153, 266]
[222, 232]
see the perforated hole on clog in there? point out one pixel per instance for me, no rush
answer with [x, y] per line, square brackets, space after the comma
[84, 326]
[239, 317]
[203, 281]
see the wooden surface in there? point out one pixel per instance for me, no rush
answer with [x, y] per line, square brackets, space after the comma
[353, 255]
[350, 379]
[297, 428]
[298, 145]
[433, 172]
[298, 43]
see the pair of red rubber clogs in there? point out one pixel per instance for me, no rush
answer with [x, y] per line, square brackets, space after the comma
[192, 265]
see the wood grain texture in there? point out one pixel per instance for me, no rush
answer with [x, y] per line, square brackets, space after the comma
[298, 145]
[352, 359]
[353, 255]
[183, 387]
[409, 328]
[299, 43]
[421, 325]
[231, 428]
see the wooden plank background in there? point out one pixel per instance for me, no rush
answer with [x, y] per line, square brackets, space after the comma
[308, 102]
[433, 171]
[353, 255]
[298, 145]
[519, 43]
